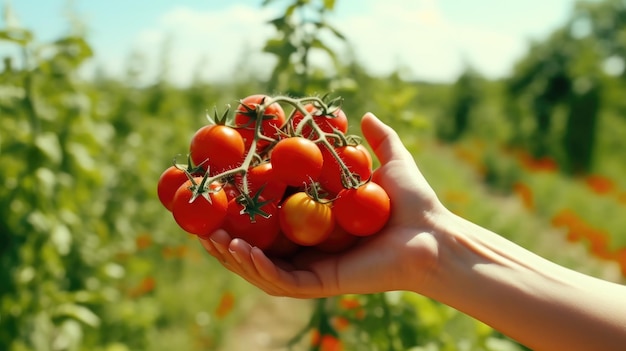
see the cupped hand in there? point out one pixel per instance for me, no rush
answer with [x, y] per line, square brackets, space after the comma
[400, 257]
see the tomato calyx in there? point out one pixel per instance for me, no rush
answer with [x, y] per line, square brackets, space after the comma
[204, 188]
[314, 165]
[189, 168]
[252, 206]
[217, 119]
[316, 192]
[256, 111]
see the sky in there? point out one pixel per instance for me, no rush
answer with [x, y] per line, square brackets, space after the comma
[432, 39]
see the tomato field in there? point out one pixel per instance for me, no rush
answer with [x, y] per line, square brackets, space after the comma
[99, 252]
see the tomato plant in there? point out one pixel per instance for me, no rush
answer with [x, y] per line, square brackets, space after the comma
[362, 211]
[170, 180]
[231, 190]
[257, 226]
[306, 175]
[329, 122]
[199, 209]
[217, 148]
[305, 220]
[261, 178]
[296, 161]
[334, 178]
[273, 118]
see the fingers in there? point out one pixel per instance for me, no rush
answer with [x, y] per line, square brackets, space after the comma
[253, 265]
[218, 246]
[234, 254]
[384, 141]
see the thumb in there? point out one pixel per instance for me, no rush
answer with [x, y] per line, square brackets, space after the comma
[383, 140]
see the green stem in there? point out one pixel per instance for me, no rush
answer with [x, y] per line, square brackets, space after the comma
[322, 138]
[388, 321]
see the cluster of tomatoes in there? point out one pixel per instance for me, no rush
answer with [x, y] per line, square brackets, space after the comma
[279, 182]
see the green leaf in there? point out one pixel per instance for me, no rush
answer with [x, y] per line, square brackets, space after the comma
[48, 144]
[74, 47]
[61, 238]
[280, 48]
[17, 35]
[334, 30]
[329, 4]
[68, 336]
[80, 313]
[281, 24]
[290, 10]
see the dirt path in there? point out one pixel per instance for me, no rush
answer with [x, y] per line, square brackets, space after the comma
[270, 323]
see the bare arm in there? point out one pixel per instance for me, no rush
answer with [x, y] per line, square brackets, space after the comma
[542, 305]
[428, 250]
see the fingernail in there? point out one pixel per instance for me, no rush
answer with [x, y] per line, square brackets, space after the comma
[235, 255]
[217, 245]
[208, 248]
[252, 251]
[204, 236]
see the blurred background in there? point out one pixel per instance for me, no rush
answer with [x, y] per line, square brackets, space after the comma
[514, 112]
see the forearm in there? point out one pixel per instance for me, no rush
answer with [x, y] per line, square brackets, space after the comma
[532, 300]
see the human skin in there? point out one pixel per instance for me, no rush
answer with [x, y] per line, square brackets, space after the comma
[428, 250]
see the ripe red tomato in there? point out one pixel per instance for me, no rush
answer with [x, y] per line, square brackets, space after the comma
[170, 180]
[231, 191]
[304, 220]
[261, 232]
[273, 118]
[200, 216]
[327, 123]
[247, 134]
[331, 178]
[362, 211]
[218, 147]
[367, 153]
[262, 175]
[339, 240]
[296, 161]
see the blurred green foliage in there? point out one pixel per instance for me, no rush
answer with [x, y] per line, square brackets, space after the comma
[89, 260]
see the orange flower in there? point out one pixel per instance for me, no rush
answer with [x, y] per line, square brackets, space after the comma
[330, 343]
[525, 193]
[542, 164]
[620, 256]
[315, 337]
[340, 323]
[574, 235]
[545, 164]
[599, 184]
[169, 252]
[599, 243]
[565, 218]
[225, 306]
[349, 303]
[146, 285]
[143, 241]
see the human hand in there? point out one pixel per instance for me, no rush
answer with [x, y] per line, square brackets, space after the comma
[399, 257]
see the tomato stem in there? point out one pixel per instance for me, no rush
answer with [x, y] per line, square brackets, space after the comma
[321, 137]
[348, 179]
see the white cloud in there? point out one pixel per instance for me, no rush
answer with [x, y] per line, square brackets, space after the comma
[384, 34]
[221, 38]
[417, 34]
